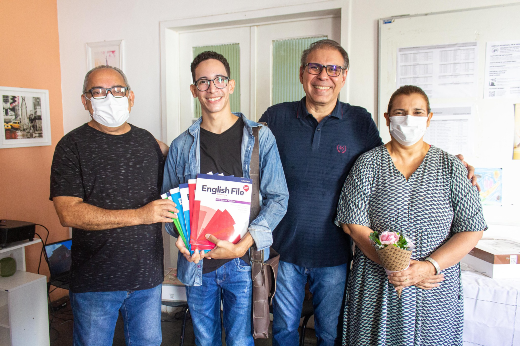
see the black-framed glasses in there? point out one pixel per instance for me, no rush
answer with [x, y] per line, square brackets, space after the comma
[203, 84]
[101, 93]
[332, 70]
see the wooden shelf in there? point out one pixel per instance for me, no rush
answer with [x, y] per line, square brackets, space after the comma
[19, 244]
[24, 315]
[19, 279]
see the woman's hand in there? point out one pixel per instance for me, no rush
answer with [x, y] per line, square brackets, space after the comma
[416, 273]
[430, 282]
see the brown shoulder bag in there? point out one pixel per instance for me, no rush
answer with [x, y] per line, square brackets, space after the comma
[263, 273]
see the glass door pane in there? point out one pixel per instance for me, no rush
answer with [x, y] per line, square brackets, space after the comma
[278, 52]
[234, 44]
[286, 68]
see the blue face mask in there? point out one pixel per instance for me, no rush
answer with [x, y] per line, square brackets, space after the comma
[110, 111]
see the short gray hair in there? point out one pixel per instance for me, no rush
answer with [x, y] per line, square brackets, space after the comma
[326, 44]
[85, 82]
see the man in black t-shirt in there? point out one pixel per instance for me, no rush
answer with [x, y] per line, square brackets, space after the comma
[105, 182]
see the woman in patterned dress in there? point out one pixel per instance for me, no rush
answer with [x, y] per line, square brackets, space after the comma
[422, 192]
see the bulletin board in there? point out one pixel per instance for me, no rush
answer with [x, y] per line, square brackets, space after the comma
[485, 127]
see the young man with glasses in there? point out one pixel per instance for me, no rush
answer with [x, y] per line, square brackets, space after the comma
[222, 142]
[105, 181]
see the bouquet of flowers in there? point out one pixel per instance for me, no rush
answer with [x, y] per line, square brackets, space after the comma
[394, 251]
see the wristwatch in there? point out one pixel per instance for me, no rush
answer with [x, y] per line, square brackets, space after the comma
[435, 264]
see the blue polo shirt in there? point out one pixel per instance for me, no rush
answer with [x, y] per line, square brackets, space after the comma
[316, 159]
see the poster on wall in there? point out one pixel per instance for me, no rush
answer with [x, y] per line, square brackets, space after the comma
[26, 117]
[490, 182]
[105, 53]
[448, 70]
[502, 69]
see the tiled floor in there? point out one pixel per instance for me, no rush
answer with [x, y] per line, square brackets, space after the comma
[61, 330]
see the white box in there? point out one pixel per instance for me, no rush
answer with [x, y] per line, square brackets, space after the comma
[172, 289]
[173, 293]
[496, 258]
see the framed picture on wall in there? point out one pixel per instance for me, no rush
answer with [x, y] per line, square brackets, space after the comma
[105, 53]
[26, 117]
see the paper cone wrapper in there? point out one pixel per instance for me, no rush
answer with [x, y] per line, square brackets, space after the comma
[394, 259]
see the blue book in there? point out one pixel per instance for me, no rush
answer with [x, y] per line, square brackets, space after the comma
[176, 198]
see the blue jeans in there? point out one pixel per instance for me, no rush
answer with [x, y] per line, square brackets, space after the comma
[327, 285]
[232, 284]
[96, 313]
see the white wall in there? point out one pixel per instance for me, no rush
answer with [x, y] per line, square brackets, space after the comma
[137, 22]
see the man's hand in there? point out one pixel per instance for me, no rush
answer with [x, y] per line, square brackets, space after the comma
[227, 250]
[197, 256]
[471, 171]
[160, 210]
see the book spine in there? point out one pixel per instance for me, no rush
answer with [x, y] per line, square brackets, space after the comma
[176, 197]
[177, 228]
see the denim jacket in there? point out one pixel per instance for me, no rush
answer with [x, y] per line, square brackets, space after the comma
[183, 163]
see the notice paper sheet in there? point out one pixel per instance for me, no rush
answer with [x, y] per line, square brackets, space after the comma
[448, 70]
[502, 69]
[450, 129]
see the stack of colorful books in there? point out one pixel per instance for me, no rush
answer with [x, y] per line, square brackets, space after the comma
[211, 204]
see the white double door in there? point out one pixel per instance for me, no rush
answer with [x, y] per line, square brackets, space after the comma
[256, 58]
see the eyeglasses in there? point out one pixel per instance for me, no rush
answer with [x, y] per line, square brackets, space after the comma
[332, 70]
[101, 93]
[220, 82]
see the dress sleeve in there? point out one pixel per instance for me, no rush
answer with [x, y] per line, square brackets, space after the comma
[355, 195]
[465, 201]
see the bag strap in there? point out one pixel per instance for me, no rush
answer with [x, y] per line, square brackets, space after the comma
[254, 174]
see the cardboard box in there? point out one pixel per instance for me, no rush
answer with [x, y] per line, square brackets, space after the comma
[496, 258]
[172, 289]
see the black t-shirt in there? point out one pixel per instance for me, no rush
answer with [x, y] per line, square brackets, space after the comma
[221, 153]
[112, 172]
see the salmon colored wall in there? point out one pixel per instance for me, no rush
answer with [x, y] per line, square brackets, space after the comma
[29, 58]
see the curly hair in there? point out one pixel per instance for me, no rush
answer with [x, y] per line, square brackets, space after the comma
[206, 56]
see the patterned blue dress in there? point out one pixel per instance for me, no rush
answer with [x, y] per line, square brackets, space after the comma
[436, 202]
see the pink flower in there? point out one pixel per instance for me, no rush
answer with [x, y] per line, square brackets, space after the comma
[389, 238]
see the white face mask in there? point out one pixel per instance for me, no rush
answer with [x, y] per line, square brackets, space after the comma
[110, 111]
[408, 129]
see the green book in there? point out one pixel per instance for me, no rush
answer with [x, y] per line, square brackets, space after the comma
[177, 228]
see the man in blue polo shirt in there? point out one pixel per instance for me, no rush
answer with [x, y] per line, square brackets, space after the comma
[319, 139]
